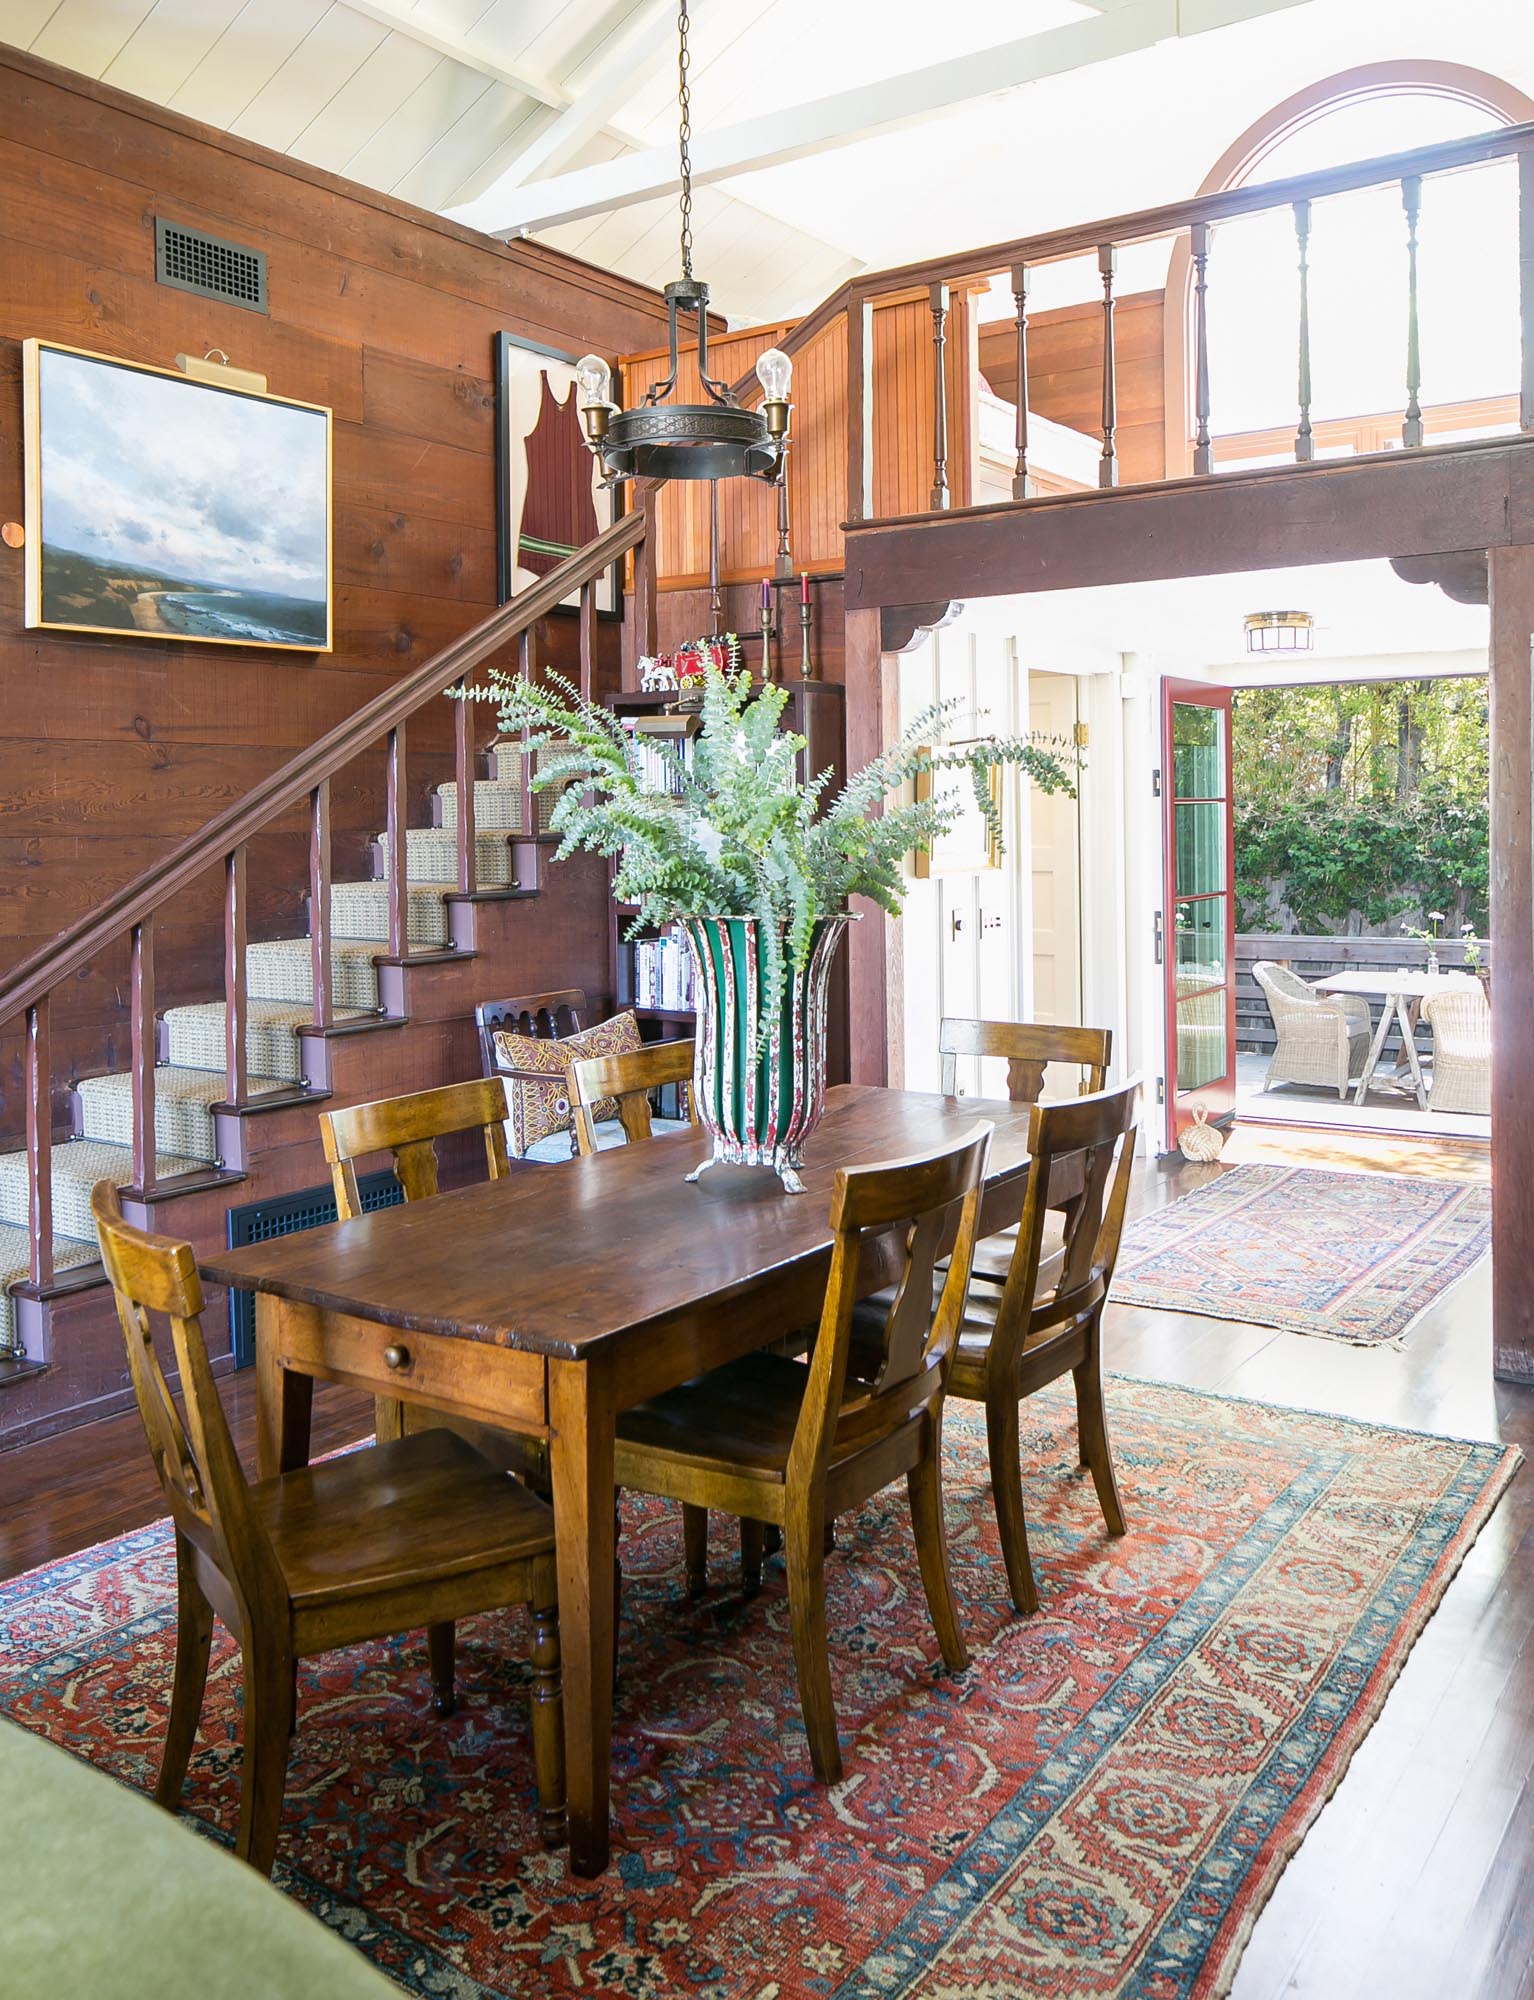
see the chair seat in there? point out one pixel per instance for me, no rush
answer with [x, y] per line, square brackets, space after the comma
[971, 1358]
[738, 1419]
[557, 1146]
[993, 1255]
[418, 1508]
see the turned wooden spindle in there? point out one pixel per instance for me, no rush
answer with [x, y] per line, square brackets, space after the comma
[528, 817]
[236, 999]
[1411, 203]
[1108, 466]
[396, 846]
[1022, 479]
[937, 295]
[1304, 440]
[141, 1036]
[1203, 449]
[319, 902]
[463, 794]
[39, 1087]
[785, 561]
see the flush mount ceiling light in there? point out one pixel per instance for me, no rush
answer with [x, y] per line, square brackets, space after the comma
[665, 440]
[1279, 631]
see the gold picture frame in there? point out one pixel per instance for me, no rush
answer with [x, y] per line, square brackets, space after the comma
[970, 847]
[140, 575]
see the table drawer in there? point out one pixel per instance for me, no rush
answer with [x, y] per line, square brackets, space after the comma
[468, 1377]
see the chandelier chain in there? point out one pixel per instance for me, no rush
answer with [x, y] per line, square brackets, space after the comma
[684, 136]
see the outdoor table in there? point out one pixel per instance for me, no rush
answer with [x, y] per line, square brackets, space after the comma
[1397, 987]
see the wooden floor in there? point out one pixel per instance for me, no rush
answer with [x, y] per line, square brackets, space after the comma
[1418, 1878]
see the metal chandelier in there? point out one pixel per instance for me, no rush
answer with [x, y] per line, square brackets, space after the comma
[666, 440]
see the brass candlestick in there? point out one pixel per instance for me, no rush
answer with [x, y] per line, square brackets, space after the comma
[806, 668]
[767, 642]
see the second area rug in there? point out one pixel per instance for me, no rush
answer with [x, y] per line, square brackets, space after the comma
[1100, 1806]
[1353, 1257]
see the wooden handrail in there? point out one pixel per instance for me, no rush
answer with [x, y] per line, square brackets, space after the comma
[302, 776]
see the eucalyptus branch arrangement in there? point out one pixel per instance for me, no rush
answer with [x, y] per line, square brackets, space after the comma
[735, 831]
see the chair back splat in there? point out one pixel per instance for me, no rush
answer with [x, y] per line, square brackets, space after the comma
[408, 1129]
[1028, 1049]
[547, 1016]
[199, 1468]
[627, 1078]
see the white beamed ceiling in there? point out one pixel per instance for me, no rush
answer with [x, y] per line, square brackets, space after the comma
[434, 101]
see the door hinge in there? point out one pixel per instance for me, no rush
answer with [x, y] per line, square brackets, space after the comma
[1082, 736]
[1160, 936]
[1155, 784]
[1161, 1090]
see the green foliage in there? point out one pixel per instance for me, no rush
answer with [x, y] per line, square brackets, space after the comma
[1366, 800]
[739, 834]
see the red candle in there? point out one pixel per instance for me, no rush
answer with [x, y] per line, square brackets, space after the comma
[804, 586]
[766, 598]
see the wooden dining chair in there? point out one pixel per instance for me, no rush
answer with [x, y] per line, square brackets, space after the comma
[1036, 1331]
[792, 1444]
[627, 1079]
[1028, 1048]
[407, 1128]
[419, 1532]
[544, 1015]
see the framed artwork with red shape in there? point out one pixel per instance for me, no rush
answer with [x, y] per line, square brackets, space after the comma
[550, 500]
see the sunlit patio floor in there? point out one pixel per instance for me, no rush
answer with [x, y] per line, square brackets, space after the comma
[1385, 1109]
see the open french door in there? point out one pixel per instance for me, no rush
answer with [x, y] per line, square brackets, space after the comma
[1196, 935]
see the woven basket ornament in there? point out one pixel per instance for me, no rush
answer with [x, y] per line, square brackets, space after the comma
[1201, 1141]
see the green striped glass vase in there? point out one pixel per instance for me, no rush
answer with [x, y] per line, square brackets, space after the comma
[759, 1097]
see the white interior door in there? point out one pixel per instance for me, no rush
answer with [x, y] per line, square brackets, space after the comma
[1056, 874]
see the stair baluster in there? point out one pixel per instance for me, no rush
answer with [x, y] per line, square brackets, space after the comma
[236, 1009]
[1411, 424]
[937, 297]
[394, 837]
[1203, 449]
[1304, 441]
[529, 812]
[1108, 465]
[142, 1031]
[588, 673]
[463, 777]
[1022, 479]
[39, 1083]
[319, 902]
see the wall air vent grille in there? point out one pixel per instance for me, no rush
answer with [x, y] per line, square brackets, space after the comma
[194, 261]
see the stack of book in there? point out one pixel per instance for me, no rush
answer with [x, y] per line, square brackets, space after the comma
[663, 974]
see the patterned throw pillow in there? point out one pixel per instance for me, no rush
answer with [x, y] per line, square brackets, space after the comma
[540, 1108]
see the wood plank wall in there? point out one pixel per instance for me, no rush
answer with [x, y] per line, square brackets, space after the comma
[1065, 375]
[112, 749]
[904, 399]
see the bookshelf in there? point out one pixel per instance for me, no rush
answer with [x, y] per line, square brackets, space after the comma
[817, 711]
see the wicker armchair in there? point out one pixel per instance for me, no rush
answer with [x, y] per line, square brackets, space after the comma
[1461, 1024]
[1322, 1038]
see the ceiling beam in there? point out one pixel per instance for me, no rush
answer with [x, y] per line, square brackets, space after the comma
[396, 15]
[600, 92]
[799, 131]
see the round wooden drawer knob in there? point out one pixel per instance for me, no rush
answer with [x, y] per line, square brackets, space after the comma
[396, 1357]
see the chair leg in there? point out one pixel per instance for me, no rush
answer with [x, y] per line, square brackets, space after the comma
[1096, 1450]
[753, 1543]
[772, 1538]
[194, 1637]
[548, 1710]
[439, 1649]
[924, 1489]
[270, 1696]
[1007, 1491]
[805, 1540]
[388, 1419]
[695, 1548]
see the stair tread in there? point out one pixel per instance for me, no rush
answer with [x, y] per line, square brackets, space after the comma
[87, 1161]
[263, 1013]
[177, 1080]
[69, 1252]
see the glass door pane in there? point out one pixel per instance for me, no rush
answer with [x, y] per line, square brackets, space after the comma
[1200, 945]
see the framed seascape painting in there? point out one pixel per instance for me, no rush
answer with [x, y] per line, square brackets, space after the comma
[550, 499]
[163, 507]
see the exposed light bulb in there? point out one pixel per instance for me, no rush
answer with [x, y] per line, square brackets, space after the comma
[594, 377]
[774, 371]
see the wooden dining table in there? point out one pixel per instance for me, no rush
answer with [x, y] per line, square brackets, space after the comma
[551, 1299]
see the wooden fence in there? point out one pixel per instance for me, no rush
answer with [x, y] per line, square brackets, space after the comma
[1314, 958]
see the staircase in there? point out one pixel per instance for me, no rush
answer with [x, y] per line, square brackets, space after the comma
[217, 1105]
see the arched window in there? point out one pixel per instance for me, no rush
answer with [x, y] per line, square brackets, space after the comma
[1467, 265]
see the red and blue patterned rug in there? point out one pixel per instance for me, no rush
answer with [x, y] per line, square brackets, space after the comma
[1355, 1257]
[1100, 1806]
